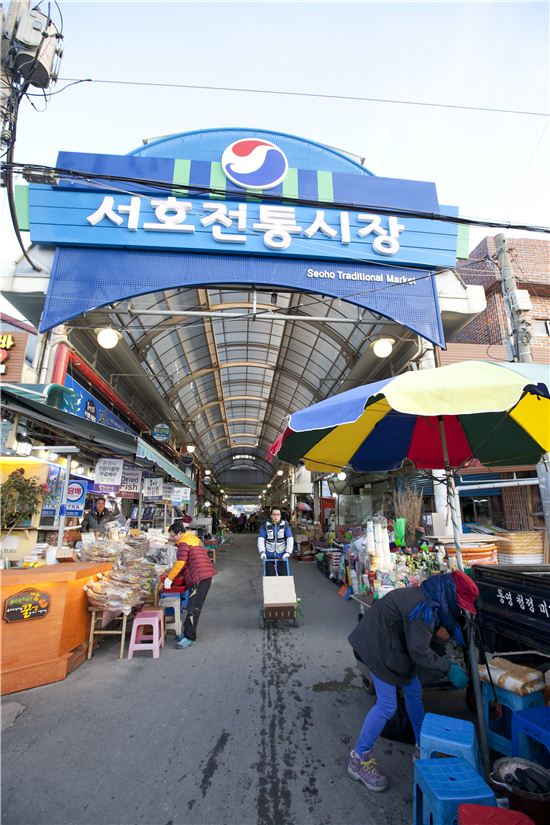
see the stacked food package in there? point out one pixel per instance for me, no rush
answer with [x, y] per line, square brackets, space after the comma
[132, 580]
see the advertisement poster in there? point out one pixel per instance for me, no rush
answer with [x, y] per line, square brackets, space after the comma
[108, 475]
[130, 484]
[51, 503]
[153, 489]
[76, 496]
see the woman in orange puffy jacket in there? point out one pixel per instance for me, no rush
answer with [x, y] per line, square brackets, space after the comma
[197, 570]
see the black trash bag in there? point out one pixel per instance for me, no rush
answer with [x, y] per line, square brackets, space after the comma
[399, 728]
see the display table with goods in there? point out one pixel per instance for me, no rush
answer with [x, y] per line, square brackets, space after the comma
[45, 622]
[137, 564]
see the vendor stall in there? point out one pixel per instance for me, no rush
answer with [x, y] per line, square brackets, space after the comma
[45, 622]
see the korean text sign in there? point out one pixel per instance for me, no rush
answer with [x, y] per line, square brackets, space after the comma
[153, 489]
[76, 497]
[187, 225]
[130, 485]
[108, 475]
[25, 605]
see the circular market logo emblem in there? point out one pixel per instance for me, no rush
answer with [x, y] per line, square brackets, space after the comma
[254, 164]
[161, 432]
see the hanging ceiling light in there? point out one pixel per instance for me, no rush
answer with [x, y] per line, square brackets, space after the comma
[382, 347]
[269, 485]
[190, 448]
[107, 337]
[279, 472]
[207, 504]
[24, 445]
[341, 476]
[208, 472]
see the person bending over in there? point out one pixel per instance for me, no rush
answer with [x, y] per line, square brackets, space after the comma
[393, 637]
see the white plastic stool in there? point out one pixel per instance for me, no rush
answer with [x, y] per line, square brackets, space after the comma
[174, 602]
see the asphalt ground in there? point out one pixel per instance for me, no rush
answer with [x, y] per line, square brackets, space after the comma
[245, 727]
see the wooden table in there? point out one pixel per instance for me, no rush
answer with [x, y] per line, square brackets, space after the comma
[44, 649]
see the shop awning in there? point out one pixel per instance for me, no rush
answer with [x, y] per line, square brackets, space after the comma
[149, 453]
[32, 402]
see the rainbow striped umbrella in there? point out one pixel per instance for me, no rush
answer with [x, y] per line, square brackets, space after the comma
[494, 413]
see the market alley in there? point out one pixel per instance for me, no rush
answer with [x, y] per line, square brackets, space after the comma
[247, 727]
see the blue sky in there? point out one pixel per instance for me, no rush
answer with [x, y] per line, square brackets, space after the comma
[492, 55]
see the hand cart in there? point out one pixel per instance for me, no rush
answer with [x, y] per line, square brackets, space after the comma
[279, 596]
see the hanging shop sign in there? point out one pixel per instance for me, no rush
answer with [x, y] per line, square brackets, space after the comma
[130, 484]
[153, 489]
[13, 346]
[180, 494]
[76, 497]
[108, 475]
[161, 432]
[81, 403]
[167, 492]
[243, 206]
[26, 605]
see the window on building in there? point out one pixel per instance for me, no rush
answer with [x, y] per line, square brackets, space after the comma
[540, 327]
[481, 510]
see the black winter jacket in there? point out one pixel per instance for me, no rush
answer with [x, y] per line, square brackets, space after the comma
[390, 645]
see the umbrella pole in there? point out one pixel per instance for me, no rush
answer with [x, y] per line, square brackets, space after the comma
[472, 650]
[451, 493]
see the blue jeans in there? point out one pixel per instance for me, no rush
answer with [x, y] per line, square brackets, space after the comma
[384, 709]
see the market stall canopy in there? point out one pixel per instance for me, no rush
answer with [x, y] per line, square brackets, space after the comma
[149, 454]
[496, 413]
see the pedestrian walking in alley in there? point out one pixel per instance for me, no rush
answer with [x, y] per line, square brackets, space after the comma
[393, 637]
[275, 541]
[197, 569]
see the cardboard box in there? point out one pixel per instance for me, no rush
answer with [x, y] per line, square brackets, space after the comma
[66, 554]
[279, 591]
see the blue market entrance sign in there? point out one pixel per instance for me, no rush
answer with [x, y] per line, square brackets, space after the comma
[242, 206]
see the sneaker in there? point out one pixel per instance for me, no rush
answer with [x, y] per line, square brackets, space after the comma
[416, 753]
[363, 769]
[183, 643]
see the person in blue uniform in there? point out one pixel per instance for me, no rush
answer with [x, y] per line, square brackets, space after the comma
[275, 541]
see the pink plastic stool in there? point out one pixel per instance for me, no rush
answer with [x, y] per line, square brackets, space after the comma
[151, 641]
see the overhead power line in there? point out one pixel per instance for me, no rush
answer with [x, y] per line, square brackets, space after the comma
[48, 174]
[319, 95]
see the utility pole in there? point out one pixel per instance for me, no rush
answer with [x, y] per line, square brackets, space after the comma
[518, 304]
[29, 47]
